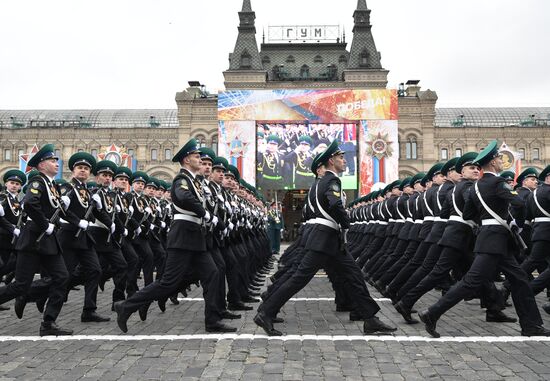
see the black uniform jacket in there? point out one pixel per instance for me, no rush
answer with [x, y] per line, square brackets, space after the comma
[323, 238]
[40, 203]
[541, 230]
[501, 198]
[186, 195]
[457, 235]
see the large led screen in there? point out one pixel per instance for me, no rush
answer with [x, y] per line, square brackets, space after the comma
[285, 152]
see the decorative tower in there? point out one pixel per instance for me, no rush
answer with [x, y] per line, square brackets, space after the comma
[245, 67]
[364, 67]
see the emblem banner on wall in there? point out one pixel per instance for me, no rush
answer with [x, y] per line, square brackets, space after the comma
[379, 153]
[237, 143]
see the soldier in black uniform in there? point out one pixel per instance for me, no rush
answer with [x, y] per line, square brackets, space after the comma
[121, 185]
[107, 229]
[526, 184]
[37, 245]
[141, 213]
[186, 248]
[488, 204]
[11, 221]
[76, 241]
[456, 245]
[538, 211]
[325, 243]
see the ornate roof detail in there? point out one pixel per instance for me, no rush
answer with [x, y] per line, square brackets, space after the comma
[245, 56]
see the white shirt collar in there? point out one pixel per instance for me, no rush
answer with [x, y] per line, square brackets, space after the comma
[490, 173]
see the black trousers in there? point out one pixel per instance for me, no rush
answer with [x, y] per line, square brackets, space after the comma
[432, 256]
[116, 262]
[233, 276]
[448, 259]
[179, 263]
[539, 258]
[29, 263]
[483, 269]
[310, 264]
[146, 259]
[84, 268]
[220, 288]
[373, 247]
[132, 259]
[400, 253]
[389, 259]
[159, 255]
[416, 261]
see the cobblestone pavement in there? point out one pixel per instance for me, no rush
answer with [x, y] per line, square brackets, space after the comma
[321, 344]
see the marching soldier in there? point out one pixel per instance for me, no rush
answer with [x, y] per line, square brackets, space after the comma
[37, 245]
[11, 220]
[488, 204]
[121, 184]
[140, 223]
[324, 244]
[186, 248]
[156, 224]
[107, 229]
[77, 243]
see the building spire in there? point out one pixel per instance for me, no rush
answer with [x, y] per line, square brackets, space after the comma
[363, 53]
[362, 5]
[247, 7]
[246, 56]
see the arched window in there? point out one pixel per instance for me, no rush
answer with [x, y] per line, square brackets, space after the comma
[7, 154]
[304, 71]
[246, 60]
[522, 153]
[444, 154]
[201, 140]
[410, 149]
[94, 153]
[536, 154]
[458, 152]
[290, 59]
[318, 59]
[364, 58]
[215, 144]
[167, 154]
[342, 59]
[154, 154]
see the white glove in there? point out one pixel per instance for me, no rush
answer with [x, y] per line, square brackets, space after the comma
[131, 209]
[83, 224]
[163, 224]
[66, 201]
[117, 208]
[214, 221]
[97, 200]
[242, 220]
[248, 225]
[159, 209]
[148, 210]
[112, 228]
[50, 228]
[231, 226]
[2, 213]
[265, 218]
[16, 232]
[514, 223]
[207, 216]
[138, 231]
[125, 232]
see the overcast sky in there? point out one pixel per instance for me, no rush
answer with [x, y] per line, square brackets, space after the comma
[67, 54]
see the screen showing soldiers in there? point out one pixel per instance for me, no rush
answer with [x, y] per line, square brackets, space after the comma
[285, 152]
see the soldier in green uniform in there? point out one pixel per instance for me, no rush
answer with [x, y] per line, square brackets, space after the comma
[269, 165]
[274, 227]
